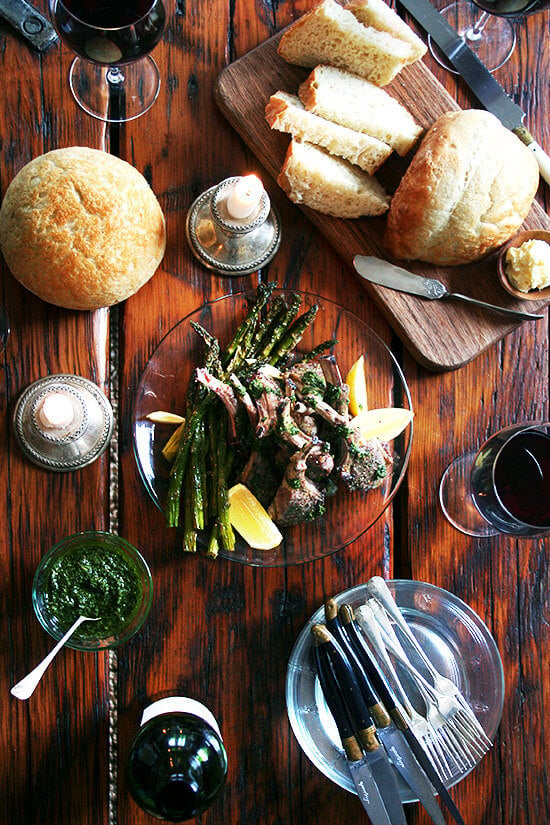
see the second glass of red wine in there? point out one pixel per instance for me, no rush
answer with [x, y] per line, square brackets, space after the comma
[113, 76]
[504, 487]
[487, 27]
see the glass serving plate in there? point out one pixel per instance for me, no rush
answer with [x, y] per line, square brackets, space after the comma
[163, 385]
[453, 637]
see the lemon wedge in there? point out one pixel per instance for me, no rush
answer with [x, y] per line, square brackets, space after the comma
[162, 417]
[384, 424]
[356, 381]
[251, 520]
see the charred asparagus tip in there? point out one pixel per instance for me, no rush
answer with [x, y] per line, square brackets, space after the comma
[331, 609]
[320, 634]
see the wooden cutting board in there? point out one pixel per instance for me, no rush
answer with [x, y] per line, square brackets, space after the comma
[442, 335]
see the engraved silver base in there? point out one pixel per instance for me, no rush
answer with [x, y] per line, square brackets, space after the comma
[75, 446]
[226, 245]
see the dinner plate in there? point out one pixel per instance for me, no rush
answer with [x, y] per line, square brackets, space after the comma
[453, 637]
[163, 386]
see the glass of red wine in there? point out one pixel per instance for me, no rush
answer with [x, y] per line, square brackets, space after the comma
[487, 28]
[504, 487]
[113, 77]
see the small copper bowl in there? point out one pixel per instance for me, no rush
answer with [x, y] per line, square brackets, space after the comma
[517, 240]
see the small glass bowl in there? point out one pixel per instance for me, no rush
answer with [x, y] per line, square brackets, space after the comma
[518, 240]
[69, 549]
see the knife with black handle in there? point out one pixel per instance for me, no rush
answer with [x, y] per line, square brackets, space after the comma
[397, 747]
[358, 763]
[363, 727]
[386, 694]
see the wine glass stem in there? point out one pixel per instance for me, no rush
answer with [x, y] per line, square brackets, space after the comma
[115, 76]
[475, 32]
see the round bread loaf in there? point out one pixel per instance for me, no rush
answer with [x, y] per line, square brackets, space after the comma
[81, 228]
[467, 190]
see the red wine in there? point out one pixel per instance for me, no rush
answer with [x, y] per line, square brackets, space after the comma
[511, 481]
[513, 8]
[109, 32]
[177, 764]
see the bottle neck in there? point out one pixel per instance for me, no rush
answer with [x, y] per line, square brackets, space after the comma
[180, 704]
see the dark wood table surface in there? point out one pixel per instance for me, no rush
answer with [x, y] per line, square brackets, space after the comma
[219, 631]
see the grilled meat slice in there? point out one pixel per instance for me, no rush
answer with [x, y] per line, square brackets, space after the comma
[337, 394]
[268, 394]
[225, 393]
[364, 463]
[298, 498]
[261, 477]
[288, 430]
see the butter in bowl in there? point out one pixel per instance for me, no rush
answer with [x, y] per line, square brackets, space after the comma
[524, 265]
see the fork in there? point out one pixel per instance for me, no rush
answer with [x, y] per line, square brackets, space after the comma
[444, 712]
[444, 686]
[420, 726]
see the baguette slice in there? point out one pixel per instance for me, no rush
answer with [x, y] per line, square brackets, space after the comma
[286, 113]
[329, 184]
[331, 34]
[379, 15]
[358, 104]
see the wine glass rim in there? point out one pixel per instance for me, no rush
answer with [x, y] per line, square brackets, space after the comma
[55, 3]
[529, 425]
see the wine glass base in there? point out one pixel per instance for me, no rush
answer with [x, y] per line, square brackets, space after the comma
[115, 94]
[493, 45]
[456, 499]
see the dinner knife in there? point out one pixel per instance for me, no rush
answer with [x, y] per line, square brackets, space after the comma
[480, 80]
[390, 702]
[369, 766]
[28, 21]
[393, 740]
[381, 272]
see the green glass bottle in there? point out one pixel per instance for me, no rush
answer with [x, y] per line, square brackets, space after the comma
[177, 763]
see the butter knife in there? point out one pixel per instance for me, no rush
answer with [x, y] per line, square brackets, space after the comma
[480, 80]
[381, 272]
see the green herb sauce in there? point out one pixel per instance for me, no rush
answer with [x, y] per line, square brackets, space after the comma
[94, 581]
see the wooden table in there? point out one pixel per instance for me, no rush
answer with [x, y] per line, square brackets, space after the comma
[219, 631]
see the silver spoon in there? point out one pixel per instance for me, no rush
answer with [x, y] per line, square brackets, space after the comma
[25, 688]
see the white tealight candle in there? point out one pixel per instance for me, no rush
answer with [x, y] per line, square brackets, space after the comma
[245, 197]
[56, 412]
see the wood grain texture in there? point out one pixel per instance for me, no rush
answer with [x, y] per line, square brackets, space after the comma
[221, 632]
[53, 745]
[441, 335]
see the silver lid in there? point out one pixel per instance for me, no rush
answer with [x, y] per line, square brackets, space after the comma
[63, 422]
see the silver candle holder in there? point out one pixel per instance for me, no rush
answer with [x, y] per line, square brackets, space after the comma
[63, 422]
[227, 244]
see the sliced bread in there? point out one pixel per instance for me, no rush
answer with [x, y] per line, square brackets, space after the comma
[330, 34]
[331, 185]
[286, 113]
[379, 15]
[358, 104]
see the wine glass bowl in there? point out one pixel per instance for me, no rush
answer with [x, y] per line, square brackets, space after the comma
[113, 77]
[504, 487]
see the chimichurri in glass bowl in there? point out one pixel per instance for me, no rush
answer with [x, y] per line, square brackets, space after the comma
[93, 574]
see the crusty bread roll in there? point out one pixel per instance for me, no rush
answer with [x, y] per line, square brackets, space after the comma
[330, 184]
[356, 103]
[333, 35]
[379, 15]
[81, 228]
[467, 190]
[287, 114]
